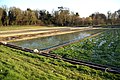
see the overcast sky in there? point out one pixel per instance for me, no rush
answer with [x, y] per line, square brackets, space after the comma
[83, 7]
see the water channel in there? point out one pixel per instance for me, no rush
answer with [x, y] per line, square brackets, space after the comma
[51, 41]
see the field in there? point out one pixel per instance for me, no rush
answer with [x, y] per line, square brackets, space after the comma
[19, 65]
[102, 49]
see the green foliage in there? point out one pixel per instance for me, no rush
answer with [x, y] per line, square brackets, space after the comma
[19, 65]
[103, 49]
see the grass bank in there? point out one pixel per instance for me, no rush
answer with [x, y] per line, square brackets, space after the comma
[19, 65]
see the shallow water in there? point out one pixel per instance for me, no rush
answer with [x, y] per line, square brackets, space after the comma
[47, 42]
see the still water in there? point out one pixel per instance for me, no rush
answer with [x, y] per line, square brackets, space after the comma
[47, 42]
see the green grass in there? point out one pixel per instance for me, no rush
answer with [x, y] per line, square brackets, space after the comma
[7, 28]
[19, 65]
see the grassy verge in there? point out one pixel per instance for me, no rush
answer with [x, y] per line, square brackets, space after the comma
[19, 65]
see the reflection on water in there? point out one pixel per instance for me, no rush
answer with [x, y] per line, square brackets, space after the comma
[46, 42]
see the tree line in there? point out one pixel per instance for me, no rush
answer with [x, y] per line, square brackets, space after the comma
[61, 17]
